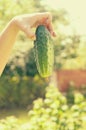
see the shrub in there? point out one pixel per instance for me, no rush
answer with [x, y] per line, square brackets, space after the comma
[19, 91]
[10, 123]
[53, 113]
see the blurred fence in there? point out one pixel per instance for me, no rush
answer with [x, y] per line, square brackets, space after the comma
[65, 78]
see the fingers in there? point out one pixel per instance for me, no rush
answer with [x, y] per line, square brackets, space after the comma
[27, 22]
[29, 32]
[50, 27]
[46, 19]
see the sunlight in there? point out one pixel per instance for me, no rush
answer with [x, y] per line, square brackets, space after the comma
[76, 10]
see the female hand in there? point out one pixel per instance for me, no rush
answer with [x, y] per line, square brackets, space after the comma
[26, 22]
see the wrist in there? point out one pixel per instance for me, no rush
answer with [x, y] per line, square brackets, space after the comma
[14, 25]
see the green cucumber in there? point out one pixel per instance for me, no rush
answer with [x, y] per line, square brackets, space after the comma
[44, 51]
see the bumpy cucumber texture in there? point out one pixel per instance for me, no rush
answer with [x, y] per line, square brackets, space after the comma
[44, 51]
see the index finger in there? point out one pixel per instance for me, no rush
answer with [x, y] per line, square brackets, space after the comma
[46, 19]
[49, 26]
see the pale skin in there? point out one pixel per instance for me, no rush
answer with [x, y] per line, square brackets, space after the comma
[23, 23]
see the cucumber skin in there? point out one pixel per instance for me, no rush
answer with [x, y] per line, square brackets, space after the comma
[44, 51]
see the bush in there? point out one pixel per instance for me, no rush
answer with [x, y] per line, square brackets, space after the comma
[22, 64]
[10, 123]
[73, 91]
[19, 91]
[52, 113]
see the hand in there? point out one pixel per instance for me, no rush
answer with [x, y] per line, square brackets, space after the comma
[27, 21]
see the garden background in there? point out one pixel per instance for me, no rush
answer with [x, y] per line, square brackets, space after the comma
[28, 101]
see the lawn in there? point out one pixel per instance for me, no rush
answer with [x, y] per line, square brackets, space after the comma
[20, 114]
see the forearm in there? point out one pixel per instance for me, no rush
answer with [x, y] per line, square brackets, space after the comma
[7, 39]
[24, 23]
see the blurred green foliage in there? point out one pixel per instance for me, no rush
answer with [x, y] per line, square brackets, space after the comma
[20, 83]
[68, 48]
[22, 63]
[70, 52]
[19, 92]
[11, 8]
[75, 94]
[52, 113]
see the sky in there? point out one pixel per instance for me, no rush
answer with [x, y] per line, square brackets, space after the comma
[76, 10]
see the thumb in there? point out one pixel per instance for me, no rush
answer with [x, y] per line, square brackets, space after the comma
[30, 34]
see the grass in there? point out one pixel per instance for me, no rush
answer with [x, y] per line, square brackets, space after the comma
[20, 114]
